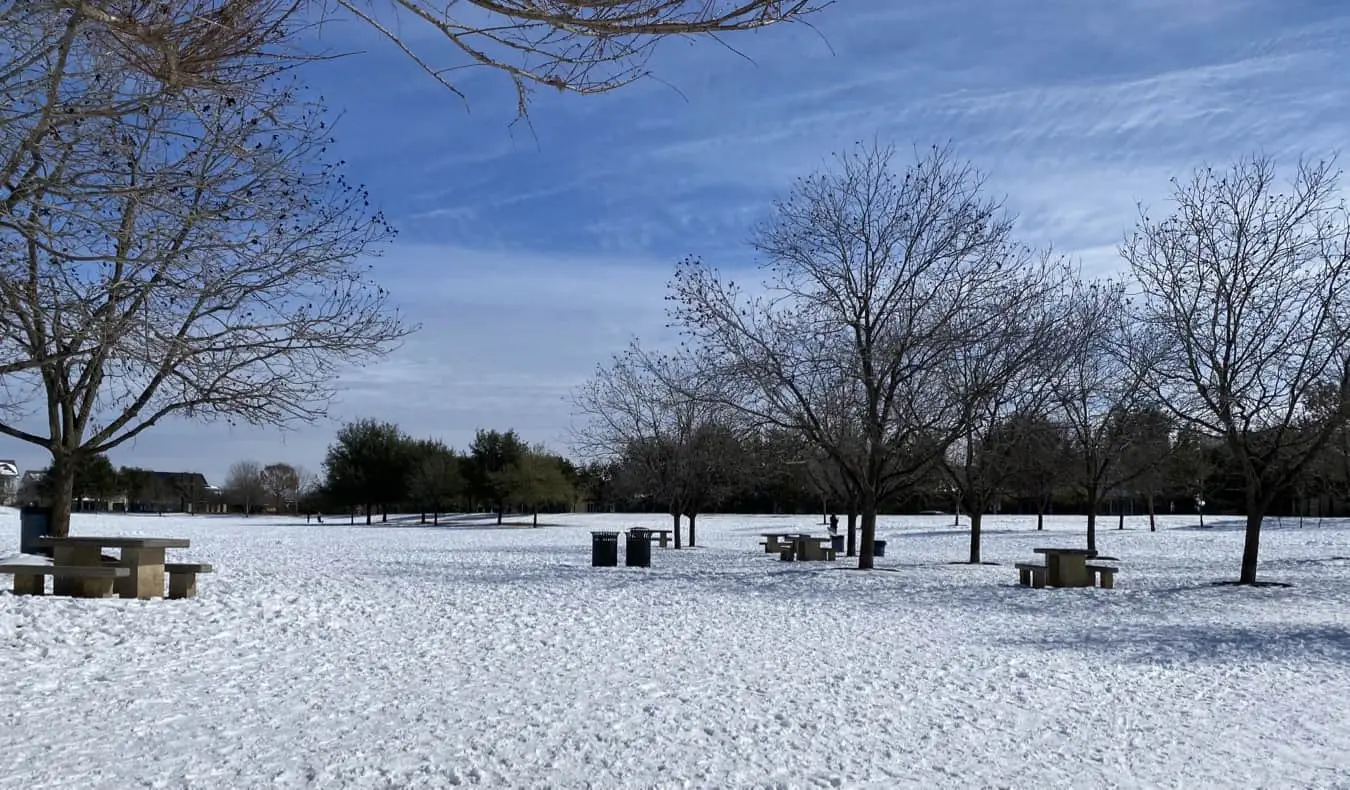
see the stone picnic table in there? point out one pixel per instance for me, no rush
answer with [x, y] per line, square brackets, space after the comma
[1064, 567]
[79, 569]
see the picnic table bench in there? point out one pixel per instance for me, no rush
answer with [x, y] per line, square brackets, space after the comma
[31, 578]
[662, 536]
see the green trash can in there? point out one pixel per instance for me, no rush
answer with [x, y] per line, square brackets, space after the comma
[638, 552]
[878, 548]
[604, 549]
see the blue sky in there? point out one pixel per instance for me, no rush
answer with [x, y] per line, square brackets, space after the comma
[530, 254]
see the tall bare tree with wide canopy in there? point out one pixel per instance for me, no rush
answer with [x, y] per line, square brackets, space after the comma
[876, 282]
[1247, 302]
[173, 252]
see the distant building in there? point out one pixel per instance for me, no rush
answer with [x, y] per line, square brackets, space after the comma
[9, 476]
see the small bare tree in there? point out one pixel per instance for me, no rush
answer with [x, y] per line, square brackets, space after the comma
[1099, 385]
[655, 414]
[1004, 381]
[245, 486]
[281, 481]
[1247, 299]
[876, 281]
[193, 255]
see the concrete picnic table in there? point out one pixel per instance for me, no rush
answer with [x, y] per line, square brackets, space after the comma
[142, 557]
[1066, 567]
[772, 540]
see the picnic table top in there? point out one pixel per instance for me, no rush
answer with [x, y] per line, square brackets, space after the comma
[1083, 552]
[785, 534]
[649, 529]
[116, 542]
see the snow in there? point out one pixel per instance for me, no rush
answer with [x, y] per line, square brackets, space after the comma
[403, 656]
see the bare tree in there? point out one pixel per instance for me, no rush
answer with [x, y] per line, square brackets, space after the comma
[876, 281]
[1004, 379]
[1247, 298]
[1100, 384]
[244, 484]
[281, 482]
[193, 255]
[653, 412]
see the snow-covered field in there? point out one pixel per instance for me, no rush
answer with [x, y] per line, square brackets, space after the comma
[390, 656]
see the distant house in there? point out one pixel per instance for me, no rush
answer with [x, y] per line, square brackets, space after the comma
[9, 475]
[176, 492]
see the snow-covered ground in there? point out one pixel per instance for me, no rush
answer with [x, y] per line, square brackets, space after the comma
[338, 656]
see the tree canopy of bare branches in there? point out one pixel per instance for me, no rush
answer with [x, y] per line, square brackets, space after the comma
[1097, 391]
[660, 415]
[1008, 383]
[190, 254]
[246, 485]
[1247, 300]
[583, 46]
[877, 281]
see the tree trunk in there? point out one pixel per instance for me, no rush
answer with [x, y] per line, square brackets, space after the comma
[852, 532]
[869, 534]
[535, 522]
[1251, 546]
[436, 515]
[675, 519]
[369, 510]
[501, 509]
[693, 533]
[63, 492]
[1040, 517]
[976, 516]
[423, 519]
[1152, 515]
[384, 514]
[1121, 523]
[1092, 522]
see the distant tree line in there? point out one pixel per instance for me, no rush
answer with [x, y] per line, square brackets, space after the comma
[1034, 465]
[374, 466]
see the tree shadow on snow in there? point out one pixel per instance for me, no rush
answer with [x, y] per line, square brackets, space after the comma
[953, 532]
[1187, 644]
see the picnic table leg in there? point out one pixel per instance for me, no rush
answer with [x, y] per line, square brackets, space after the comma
[1073, 571]
[76, 555]
[29, 584]
[664, 539]
[147, 574]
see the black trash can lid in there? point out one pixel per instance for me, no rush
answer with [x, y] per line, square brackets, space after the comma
[604, 534]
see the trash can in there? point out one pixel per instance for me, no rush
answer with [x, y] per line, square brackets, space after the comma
[837, 543]
[604, 549]
[639, 549]
[878, 548]
[34, 521]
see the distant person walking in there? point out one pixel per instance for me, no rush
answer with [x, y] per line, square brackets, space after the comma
[834, 524]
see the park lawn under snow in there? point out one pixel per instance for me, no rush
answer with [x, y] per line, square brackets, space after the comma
[405, 656]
